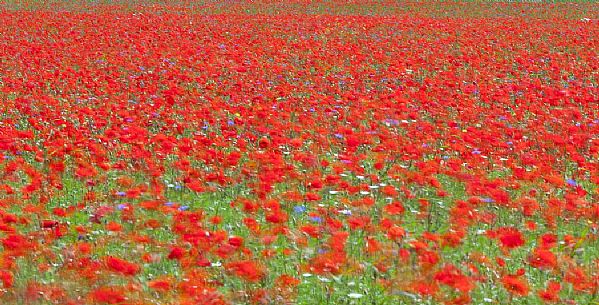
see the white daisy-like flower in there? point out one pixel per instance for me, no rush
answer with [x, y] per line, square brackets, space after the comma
[355, 295]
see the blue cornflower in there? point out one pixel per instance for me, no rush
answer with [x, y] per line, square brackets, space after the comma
[299, 209]
[316, 219]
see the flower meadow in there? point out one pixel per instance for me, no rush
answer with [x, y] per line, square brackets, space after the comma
[299, 152]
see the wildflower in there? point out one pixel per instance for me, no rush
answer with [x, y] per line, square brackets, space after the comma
[121, 266]
[542, 258]
[247, 270]
[108, 295]
[299, 209]
[551, 294]
[510, 238]
[355, 295]
[515, 285]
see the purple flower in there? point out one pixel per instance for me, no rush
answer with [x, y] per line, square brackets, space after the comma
[299, 209]
[316, 219]
[392, 122]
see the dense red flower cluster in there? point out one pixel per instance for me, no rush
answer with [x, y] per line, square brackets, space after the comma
[343, 151]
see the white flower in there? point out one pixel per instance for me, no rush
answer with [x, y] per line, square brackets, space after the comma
[354, 295]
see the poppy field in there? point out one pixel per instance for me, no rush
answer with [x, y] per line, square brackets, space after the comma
[299, 152]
